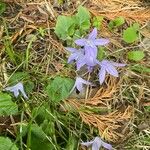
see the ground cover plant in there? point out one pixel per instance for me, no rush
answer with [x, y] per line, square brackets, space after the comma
[74, 75]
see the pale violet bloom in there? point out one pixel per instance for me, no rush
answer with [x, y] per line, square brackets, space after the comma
[76, 55]
[81, 58]
[97, 143]
[79, 84]
[90, 46]
[108, 67]
[17, 89]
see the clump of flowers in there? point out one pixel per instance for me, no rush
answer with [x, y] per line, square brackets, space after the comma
[87, 56]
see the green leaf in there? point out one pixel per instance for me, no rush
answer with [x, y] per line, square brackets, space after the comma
[29, 86]
[97, 21]
[116, 22]
[7, 107]
[136, 55]
[72, 143]
[136, 26]
[6, 144]
[64, 27]
[59, 88]
[2, 7]
[130, 35]
[18, 76]
[38, 139]
[140, 68]
[83, 18]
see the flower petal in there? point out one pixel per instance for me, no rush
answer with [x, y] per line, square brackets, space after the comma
[95, 146]
[70, 49]
[80, 42]
[97, 143]
[79, 86]
[91, 51]
[93, 34]
[111, 70]
[80, 63]
[71, 58]
[106, 145]
[102, 74]
[87, 143]
[16, 88]
[101, 41]
[117, 64]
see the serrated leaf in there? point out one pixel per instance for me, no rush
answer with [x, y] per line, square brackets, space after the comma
[83, 18]
[130, 35]
[2, 7]
[7, 107]
[116, 22]
[136, 55]
[6, 144]
[64, 27]
[59, 88]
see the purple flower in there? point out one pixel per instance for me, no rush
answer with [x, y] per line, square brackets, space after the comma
[90, 46]
[81, 58]
[78, 56]
[109, 67]
[79, 84]
[16, 89]
[97, 143]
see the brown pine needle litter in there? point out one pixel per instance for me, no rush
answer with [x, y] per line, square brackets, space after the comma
[97, 111]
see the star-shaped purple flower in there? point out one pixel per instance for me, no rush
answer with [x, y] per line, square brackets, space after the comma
[109, 67]
[97, 143]
[78, 56]
[79, 84]
[90, 45]
[16, 89]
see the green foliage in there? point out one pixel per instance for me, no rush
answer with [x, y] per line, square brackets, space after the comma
[72, 143]
[38, 139]
[136, 26]
[29, 86]
[7, 107]
[130, 35]
[2, 7]
[83, 18]
[116, 22]
[59, 88]
[101, 53]
[140, 68]
[17, 77]
[97, 21]
[42, 31]
[6, 144]
[136, 55]
[67, 26]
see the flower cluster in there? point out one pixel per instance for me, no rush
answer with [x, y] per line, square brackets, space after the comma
[87, 55]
